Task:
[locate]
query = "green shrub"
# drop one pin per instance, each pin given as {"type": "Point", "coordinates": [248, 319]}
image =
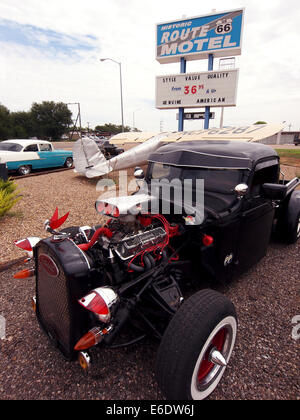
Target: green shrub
{"type": "Point", "coordinates": [8, 196]}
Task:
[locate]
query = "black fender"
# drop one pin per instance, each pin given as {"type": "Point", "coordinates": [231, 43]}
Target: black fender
{"type": "Point", "coordinates": [293, 209]}
{"type": "Point", "coordinates": [288, 218]}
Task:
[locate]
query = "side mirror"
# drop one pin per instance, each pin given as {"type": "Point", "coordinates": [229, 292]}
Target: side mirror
{"type": "Point", "coordinates": [241, 190]}
{"type": "Point", "coordinates": [274, 191]}
{"type": "Point", "coordinates": [139, 173]}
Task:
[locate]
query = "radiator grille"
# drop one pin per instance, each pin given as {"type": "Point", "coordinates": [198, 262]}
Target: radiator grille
{"type": "Point", "coordinates": [54, 303]}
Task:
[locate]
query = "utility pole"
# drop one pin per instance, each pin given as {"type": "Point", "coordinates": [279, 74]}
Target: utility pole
{"type": "Point", "coordinates": [78, 119]}
{"type": "Point", "coordinates": [121, 87]}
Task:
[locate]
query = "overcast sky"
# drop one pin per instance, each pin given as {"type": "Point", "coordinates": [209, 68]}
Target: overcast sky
{"type": "Point", "coordinates": [50, 50]}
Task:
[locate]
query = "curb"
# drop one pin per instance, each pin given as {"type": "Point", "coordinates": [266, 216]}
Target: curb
{"type": "Point", "coordinates": [32, 174]}
{"type": "Point", "coordinates": [8, 264]}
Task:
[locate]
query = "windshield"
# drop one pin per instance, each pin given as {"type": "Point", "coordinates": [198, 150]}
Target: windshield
{"type": "Point", "coordinates": [100, 142]}
{"type": "Point", "coordinates": [160, 171]}
{"type": "Point", "coordinates": [215, 180]}
{"type": "Point", "coordinates": [219, 184]}
{"type": "Point", "coordinates": [11, 147]}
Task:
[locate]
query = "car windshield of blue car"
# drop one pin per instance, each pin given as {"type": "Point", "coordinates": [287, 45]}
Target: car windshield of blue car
{"type": "Point", "coordinates": [11, 147]}
{"type": "Point", "coordinates": [45, 148]}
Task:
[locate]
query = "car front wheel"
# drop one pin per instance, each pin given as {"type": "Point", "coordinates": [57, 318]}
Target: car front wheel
{"type": "Point", "coordinates": [68, 163]}
{"type": "Point", "coordinates": [24, 170]}
{"type": "Point", "coordinates": [196, 347]}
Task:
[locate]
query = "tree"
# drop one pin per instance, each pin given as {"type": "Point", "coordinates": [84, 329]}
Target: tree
{"type": "Point", "coordinates": [5, 123]}
{"type": "Point", "coordinates": [22, 125]}
{"type": "Point", "coordinates": [260, 122]}
{"type": "Point", "coordinates": [112, 128]}
{"type": "Point", "coordinates": [50, 120]}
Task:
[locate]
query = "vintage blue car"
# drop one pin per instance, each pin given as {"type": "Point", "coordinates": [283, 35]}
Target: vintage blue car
{"type": "Point", "coordinates": [23, 156]}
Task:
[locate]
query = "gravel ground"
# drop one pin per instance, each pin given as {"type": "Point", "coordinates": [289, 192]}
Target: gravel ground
{"type": "Point", "coordinates": [264, 365]}
{"type": "Point", "coordinates": [42, 194]}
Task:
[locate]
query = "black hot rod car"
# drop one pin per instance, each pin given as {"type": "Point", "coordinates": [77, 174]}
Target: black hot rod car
{"type": "Point", "coordinates": [114, 284]}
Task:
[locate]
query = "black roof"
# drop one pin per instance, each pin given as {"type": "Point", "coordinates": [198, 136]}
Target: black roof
{"type": "Point", "coordinates": [216, 154]}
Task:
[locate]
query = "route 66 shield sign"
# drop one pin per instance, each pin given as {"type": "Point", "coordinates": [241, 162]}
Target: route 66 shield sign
{"type": "Point", "coordinates": [224, 26]}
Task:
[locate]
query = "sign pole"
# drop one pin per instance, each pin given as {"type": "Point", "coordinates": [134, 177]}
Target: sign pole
{"type": "Point", "coordinates": [181, 110]}
{"type": "Point", "coordinates": [207, 108]}
{"type": "Point", "coordinates": [222, 117]}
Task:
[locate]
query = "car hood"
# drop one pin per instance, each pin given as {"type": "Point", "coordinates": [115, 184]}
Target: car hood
{"type": "Point", "coordinates": [141, 202]}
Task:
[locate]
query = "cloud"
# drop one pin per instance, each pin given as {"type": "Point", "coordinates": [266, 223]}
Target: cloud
{"type": "Point", "coordinates": [48, 42]}
{"type": "Point", "coordinates": [51, 50]}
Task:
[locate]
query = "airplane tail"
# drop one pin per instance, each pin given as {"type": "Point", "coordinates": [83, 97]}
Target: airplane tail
{"type": "Point", "coordinates": [86, 155]}
{"type": "Point", "coordinates": [89, 160]}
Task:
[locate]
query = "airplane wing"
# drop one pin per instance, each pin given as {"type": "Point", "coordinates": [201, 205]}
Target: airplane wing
{"type": "Point", "coordinates": [249, 133]}
{"type": "Point", "coordinates": [90, 161]}
{"type": "Point", "coordinates": [131, 137]}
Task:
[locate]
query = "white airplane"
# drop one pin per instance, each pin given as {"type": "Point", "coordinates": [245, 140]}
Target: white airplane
{"type": "Point", "coordinates": [89, 160]}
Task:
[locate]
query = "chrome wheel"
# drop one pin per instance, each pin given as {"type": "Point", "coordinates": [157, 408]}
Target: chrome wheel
{"type": "Point", "coordinates": [24, 170]}
{"type": "Point", "coordinates": [196, 346]}
{"type": "Point", "coordinates": [69, 163]}
{"type": "Point", "coordinates": [213, 358]}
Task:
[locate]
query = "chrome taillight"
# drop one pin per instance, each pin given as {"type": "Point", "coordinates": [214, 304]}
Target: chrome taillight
{"type": "Point", "coordinates": [107, 209]}
{"type": "Point", "coordinates": [28, 244]}
{"type": "Point", "coordinates": [100, 301]}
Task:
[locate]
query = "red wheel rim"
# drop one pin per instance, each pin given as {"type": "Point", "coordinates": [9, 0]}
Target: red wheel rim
{"type": "Point", "coordinates": [206, 365]}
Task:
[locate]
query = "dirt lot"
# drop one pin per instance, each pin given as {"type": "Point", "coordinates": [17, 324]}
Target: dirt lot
{"type": "Point", "coordinates": [42, 194]}
{"type": "Point", "coordinates": [265, 363]}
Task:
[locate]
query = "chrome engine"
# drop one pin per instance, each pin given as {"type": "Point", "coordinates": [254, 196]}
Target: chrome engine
{"type": "Point", "coordinates": [131, 245]}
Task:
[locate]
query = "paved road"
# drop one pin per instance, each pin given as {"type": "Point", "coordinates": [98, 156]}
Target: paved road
{"type": "Point", "coordinates": [63, 145]}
